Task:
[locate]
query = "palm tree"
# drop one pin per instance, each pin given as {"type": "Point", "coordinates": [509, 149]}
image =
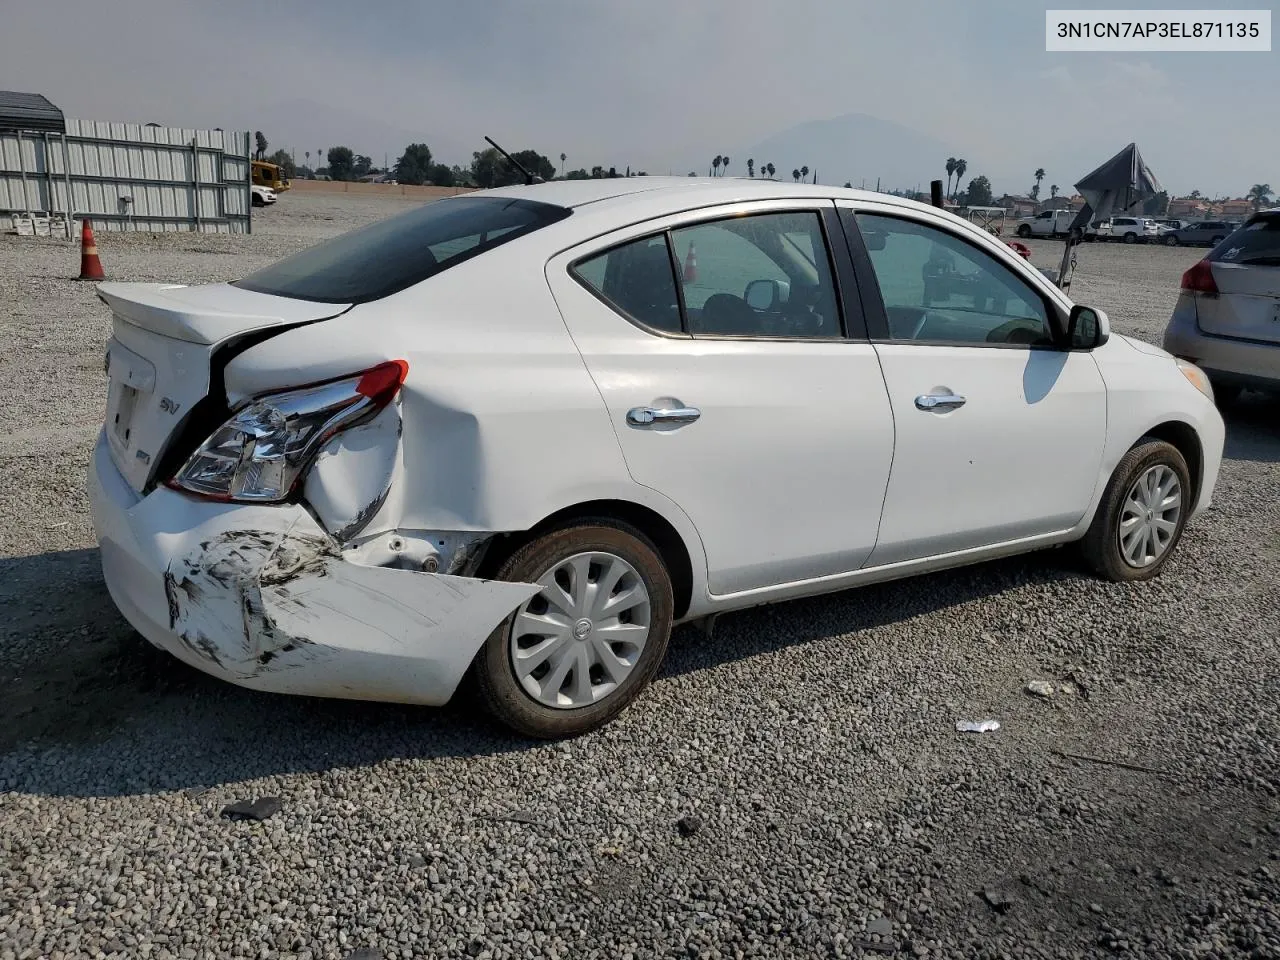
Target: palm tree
{"type": "Point", "coordinates": [562, 160]}
{"type": "Point", "coordinates": [951, 168]}
{"type": "Point", "coordinates": [751, 168]}
{"type": "Point", "coordinates": [795, 175]}
{"type": "Point", "coordinates": [804, 172]}
{"type": "Point", "coordinates": [1053, 190]}
{"type": "Point", "coordinates": [1260, 193]}
{"type": "Point", "coordinates": [715, 165]}
{"type": "Point", "coordinates": [724, 165]}
{"type": "Point", "coordinates": [1035, 193]}
{"type": "Point", "coordinates": [308, 159]}
{"type": "Point", "coordinates": [771, 169]}
{"type": "Point", "coordinates": [961, 166]}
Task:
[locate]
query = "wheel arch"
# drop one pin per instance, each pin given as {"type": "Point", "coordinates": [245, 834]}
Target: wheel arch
{"type": "Point", "coordinates": [1183, 438]}
{"type": "Point", "coordinates": [672, 549]}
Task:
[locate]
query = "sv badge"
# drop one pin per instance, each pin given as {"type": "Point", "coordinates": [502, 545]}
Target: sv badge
{"type": "Point", "coordinates": [169, 406]}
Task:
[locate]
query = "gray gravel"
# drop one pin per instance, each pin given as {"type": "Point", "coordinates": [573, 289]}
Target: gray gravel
{"type": "Point", "coordinates": [811, 746]}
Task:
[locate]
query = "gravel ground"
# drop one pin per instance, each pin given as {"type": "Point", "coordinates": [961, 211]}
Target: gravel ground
{"type": "Point", "coordinates": [792, 787]}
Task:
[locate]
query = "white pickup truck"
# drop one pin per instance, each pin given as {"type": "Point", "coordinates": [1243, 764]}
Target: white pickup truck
{"type": "Point", "coordinates": [1049, 223]}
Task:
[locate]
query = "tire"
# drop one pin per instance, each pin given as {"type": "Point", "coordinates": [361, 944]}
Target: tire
{"type": "Point", "coordinates": [1102, 545]}
{"type": "Point", "coordinates": [1024, 231]}
{"type": "Point", "coordinates": [1170, 240]}
{"type": "Point", "coordinates": [1130, 238]}
{"type": "Point", "coordinates": [503, 693]}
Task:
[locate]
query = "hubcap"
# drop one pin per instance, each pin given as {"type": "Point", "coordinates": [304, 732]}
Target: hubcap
{"type": "Point", "coordinates": [1149, 516]}
{"type": "Point", "coordinates": [576, 641]}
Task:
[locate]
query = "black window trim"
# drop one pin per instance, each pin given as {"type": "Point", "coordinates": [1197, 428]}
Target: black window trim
{"type": "Point", "coordinates": [878, 318]}
{"type": "Point", "coordinates": [843, 276]}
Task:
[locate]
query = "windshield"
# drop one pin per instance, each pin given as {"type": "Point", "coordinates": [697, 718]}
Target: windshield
{"type": "Point", "coordinates": [390, 255]}
{"type": "Point", "coordinates": [1257, 243]}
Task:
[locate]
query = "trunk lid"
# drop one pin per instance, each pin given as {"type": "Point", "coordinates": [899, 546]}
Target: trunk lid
{"type": "Point", "coordinates": [1246, 270]}
{"type": "Point", "coordinates": [164, 355]}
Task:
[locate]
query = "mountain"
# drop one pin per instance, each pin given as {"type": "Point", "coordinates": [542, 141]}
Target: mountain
{"type": "Point", "coordinates": [853, 148]}
{"type": "Point", "coordinates": [301, 125]}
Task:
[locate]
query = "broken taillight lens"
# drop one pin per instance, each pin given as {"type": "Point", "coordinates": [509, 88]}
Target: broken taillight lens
{"type": "Point", "coordinates": [259, 454]}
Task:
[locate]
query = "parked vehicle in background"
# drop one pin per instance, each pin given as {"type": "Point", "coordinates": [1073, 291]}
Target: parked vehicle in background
{"type": "Point", "coordinates": [1200, 233]}
{"type": "Point", "coordinates": [1166, 226]}
{"type": "Point", "coordinates": [266, 174]}
{"type": "Point", "coordinates": [1227, 318]}
{"type": "Point", "coordinates": [1126, 229]}
{"type": "Point", "coordinates": [262, 196]}
{"type": "Point", "coordinates": [506, 434]}
{"type": "Point", "coordinates": [1048, 223]}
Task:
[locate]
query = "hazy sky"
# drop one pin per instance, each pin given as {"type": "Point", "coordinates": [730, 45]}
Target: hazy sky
{"type": "Point", "coordinates": [658, 84]}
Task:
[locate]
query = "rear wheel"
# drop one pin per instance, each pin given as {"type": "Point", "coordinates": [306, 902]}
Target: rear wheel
{"type": "Point", "coordinates": [574, 655]}
{"type": "Point", "coordinates": [1170, 240]}
{"type": "Point", "coordinates": [1130, 238]}
{"type": "Point", "coordinates": [1143, 510]}
{"type": "Point", "coordinates": [1024, 231]}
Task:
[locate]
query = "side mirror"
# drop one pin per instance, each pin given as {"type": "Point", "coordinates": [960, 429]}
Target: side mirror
{"type": "Point", "coordinates": [766, 295]}
{"type": "Point", "coordinates": [1087, 328]}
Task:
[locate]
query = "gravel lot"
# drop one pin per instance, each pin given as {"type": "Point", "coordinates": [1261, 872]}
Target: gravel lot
{"type": "Point", "coordinates": [829, 808]}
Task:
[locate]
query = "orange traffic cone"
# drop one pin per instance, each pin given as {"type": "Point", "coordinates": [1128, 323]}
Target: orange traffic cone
{"type": "Point", "coordinates": [691, 266]}
{"type": "Point", "coordinates": [90, 265]}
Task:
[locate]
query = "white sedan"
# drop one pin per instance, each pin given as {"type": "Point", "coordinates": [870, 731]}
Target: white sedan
{"type": "Point", "coordinates": [522, 432]}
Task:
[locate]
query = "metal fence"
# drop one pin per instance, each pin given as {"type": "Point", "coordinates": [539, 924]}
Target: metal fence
{"type": "Point", "coordinates": [125, 176]}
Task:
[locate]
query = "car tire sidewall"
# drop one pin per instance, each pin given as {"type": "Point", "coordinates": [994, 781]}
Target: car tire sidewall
{"type": "Point", "coordinates": [1101, 544]}
{"type": "Point", "coordinates": [495, 679]}
{"type": "Point", "coordinates": [1130, 238]}
{"type": "Point", "coordinates": [1171, 241]}
{"type": "Point", "coordinates": [1024, 231]}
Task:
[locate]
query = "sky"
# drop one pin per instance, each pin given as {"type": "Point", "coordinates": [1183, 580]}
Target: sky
{"type": "Point", "coordinates": [661, 85]}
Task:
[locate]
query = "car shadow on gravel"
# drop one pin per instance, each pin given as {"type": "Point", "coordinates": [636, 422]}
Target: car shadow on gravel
{"type": "Point", "coordinates": [89, 708]}
{"type": "Point", "coordinates": [1253, 428]}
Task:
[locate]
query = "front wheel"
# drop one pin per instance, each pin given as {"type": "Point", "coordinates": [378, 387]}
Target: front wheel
{"type": "Point", "coordinates": [1171, 240]}
{"type": "Point", "coordinates": [1130, 238]}
{"type": "Point", "coordinates": [1143, 511]}
{"type": "Point", "coordinates": [573, 656]}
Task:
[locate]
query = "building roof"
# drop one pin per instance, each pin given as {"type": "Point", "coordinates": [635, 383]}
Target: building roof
{"type": "Point", "coordinates": [29, 111]}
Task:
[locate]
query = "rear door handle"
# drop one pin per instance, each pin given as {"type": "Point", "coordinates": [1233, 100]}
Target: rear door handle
{"type": "Point", "coordinates": [648, 416]}
{"type": "Point", "coordinates": [939, 401]}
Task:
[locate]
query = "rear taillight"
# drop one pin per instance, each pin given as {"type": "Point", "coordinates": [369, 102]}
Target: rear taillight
{"type": "Point", "coordinates": [1199, 280]}
{"type": "Point", "coordinates": [269, 443]}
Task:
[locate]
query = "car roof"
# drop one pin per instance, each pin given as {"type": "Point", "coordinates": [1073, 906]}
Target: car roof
{"type": "Point", "coordinates": [682, 191]}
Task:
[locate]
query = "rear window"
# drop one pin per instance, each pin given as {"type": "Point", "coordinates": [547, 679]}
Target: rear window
{"type": "Point", "coordinates": [390, 255]}
{"type": "Point", "coordinates": [1257, 243]}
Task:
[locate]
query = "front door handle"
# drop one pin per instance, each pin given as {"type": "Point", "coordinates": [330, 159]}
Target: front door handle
{"type": "Point", "coordinates": [939, 401]}
{"type": "Point", "coordinates": [648, 416]}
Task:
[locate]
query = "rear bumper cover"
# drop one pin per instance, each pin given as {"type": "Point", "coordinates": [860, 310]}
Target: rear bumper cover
{"type": "Point", "coordinates": [262, 597]}
{"type": "Point", "coordinates": [1243, 361]}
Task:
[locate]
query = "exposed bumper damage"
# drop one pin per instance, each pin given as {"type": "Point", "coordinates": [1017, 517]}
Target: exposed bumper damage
{"type": "Point", "coordinates": [264, 597]}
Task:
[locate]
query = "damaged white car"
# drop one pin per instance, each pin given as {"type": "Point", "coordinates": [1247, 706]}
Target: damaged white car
{"type": "Point", "coordinates": [523, 432]}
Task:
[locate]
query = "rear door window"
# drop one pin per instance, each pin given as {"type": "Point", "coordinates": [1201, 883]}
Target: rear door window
{"type": "Point", "coordinates": [638, 280]}
{"type": "Point", "coordinates": [390, 255]}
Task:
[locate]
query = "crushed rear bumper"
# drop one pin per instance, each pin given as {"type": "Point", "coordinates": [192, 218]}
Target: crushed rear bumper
{"type": "Point", "coordinates": [261, 596]}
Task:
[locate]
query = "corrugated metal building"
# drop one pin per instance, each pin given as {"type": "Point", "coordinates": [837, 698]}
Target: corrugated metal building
{"type": "Point", "coordinates": [122, 176]}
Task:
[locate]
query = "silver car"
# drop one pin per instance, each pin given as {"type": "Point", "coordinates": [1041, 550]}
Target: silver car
{"type": "Point", "coordinates": [1227, 319]}
{"type": "Point", "coordinates": [1200, 233]}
